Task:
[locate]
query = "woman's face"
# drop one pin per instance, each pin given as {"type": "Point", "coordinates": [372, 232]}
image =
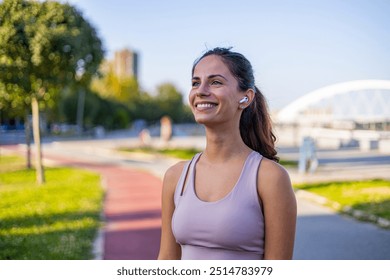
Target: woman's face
{"type": "Point", "coordinates": [214, 96]}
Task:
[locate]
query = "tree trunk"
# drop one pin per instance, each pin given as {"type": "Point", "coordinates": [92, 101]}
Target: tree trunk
{"type": "Point", "coordinates": [37, 139]}
{"type": "Point", "coordinates": [80, 111]}
{"type": "Point", "coordinates": [27, 125]}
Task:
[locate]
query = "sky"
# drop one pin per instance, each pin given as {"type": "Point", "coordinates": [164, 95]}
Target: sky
{"type": "Point", "coordinates": [295, 47]}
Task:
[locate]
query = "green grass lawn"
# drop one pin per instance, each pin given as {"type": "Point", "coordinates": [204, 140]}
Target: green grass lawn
{"type": "Point", "coordinates": [370, 196]}
{"type": "Point", "coordinates": [11, 163]}
{"type": "Point", "coordinates": [57, 220]}
{"type": "Point", "coordinates": [180, 153]}
{"type": "Point", "coordinates": [186, 153]}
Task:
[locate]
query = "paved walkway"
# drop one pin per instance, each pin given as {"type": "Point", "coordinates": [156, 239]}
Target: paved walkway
{"type": "Point", "coordinates": [132, 213]}
{"type": "Point", "coordinates": [323, 234]}
{"type": "Point", "coordinates": [132, 209]}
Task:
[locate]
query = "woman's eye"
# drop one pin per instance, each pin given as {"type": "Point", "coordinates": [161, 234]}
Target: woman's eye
{"type": "Point", "coordinates": [216, 83]}
{"type": "Point", "coordinates": [195, 83]}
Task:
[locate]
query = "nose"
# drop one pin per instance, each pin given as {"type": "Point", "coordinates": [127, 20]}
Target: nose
{"type": "Point", "coordinates": [202, 90]}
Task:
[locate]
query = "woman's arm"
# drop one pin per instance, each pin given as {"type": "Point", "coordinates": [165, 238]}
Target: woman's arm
{"type": "Point", "coordinates": [169, 249]}
{"type": "Point", "coordinates": [280, 210]}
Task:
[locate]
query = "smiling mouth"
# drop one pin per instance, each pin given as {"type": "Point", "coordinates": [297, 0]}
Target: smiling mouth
{"type": "Point", "coordinates": [205, 105]}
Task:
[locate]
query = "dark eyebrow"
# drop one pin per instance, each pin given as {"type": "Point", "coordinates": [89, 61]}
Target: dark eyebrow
{"type": "Point", "coordinates": [217, 75]}
{"type": "Point", "coordinates": [211, 77]}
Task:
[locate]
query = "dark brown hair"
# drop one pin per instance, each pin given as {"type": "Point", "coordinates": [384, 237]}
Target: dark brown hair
{"type": "Point", "coordinates": [255, 122]}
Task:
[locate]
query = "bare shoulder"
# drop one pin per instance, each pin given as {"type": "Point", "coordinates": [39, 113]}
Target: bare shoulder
{"type": "Point", "coordinates": [172, 176]}
{"type": "Point", "coordinates": [169, 249]}
{"type": "Point", "coordinates": [273, 177]}
{"type": "Point", "coordinates": [279, 208]}
{"type": "Point", "coordinates": [175, 171]}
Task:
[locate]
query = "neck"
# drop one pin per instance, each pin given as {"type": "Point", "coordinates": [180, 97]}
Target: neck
{"type": "Point", "coordinates": [223, 144]}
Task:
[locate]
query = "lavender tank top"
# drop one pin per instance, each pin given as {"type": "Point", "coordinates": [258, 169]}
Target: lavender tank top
{"type": "Point", "coordinates": [231, 228]}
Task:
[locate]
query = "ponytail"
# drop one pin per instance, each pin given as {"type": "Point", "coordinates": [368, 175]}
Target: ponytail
{"type": "Point", "coordinates": [256, 127]}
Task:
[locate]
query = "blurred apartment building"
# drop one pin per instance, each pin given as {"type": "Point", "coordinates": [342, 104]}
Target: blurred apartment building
{"type": "Point", "coordinates": [124, 63]}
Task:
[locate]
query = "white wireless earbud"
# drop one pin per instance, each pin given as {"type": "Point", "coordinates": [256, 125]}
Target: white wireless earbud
{"type": "Point", "coordinates": [243, 100]}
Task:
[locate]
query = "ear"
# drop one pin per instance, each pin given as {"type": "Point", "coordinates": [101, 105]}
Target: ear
{"type": "Point", "coordinates": [250, 93]}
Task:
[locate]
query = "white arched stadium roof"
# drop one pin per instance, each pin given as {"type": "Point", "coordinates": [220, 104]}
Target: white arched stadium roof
{"type": "Point", "coordinates": [290, 113]}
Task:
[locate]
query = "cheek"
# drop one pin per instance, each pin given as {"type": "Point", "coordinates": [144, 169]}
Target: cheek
{"type": "Point", "coordinates": [191, 97]}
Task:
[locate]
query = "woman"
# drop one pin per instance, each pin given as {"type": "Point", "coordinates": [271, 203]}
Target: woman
{"type": "Point", "coordinates": [233, 200]}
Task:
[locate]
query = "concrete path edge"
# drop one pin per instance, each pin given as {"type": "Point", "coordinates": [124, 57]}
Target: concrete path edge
{"type": "Point", "coordinates": [347, 210]}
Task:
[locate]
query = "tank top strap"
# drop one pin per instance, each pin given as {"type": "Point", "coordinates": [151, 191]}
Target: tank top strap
{"type": "Point", "coordinates": [248, 180]}
{"type": "Point", "coordinates": [185, 177]}
{"type": "Point", "coordinates": [254, 163]}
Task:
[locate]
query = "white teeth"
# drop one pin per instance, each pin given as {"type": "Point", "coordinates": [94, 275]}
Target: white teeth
{"type": "Point", "coordinates": [205, 105]}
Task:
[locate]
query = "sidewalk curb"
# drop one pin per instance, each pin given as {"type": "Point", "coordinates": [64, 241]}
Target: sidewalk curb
{"type": "Point", "coordinates": [357, 214]}
{"type": "Point", "coordinates": [98, 243]}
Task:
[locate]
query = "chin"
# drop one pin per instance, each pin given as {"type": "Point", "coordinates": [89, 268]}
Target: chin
{"type": "Point", "coordinates": [205, 121]}
{"type": "Point", "coordinates": [200, 120]}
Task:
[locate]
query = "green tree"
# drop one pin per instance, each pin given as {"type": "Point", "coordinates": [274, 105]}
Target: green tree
{"type": "Point", "coordinates": [170, 101]}
{"type": "Point", "coordinates": [121, 89]}
{"type": "Point", "coordinates": [147, 109]}
{"type": "Point", "coordinates": [98, 111]}
{"type": "Point", "coordinates": [44, 46]}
